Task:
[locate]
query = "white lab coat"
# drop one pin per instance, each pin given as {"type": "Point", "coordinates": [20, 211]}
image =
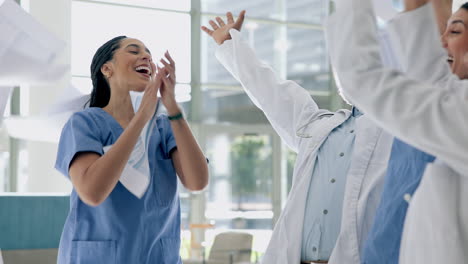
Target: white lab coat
{"type": "Point", "coordinates": [365, 184]}
{"type": "Point", "coordinates": [304, 127]}
{"type": "Point", "coordinates": [445, 191]}
{"type": "Point", "coordinates": [429, 114]}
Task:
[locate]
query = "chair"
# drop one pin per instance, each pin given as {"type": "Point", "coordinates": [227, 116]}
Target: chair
{"type": "Point", "coordinates": [230, 248]}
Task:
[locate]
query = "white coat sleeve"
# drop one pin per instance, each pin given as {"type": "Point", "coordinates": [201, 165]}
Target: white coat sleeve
{"type": "Point", "coordinates": [286, 104]}
{"type": "Point", "coordinates": [412, 49]}
{"type": "Point", "coordinates": [431, 118]}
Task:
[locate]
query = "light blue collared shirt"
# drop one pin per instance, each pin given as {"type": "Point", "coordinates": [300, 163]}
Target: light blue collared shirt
{"type": "Point", "coordinates": [322, 218]}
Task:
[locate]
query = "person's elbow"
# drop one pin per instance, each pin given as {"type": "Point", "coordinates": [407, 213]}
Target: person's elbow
{"type": "Point", "coordinates": [91, 198]}
{"type": "Point", "coordinates": [88, 191]}
{"type": "Point", "coordinates": [200, 180]}
{"type": "Point", "coordinates": [89, 186]}
{"type": "Point", "coordinates": [197, 186]}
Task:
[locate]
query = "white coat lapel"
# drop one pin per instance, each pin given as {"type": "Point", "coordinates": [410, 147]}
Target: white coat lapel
{"type": "Point", "coordinates": [285, 243]}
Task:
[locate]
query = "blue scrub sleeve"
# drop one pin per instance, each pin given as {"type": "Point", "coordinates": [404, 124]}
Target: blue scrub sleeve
{"type": "Point", "coordinates": [80, 134]}
{"type": "Point", "coordinates": [170, 140]}
{"type": "Point", "coordinates": [169, 136]}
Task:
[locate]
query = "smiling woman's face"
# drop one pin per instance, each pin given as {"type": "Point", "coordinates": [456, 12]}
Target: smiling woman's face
{"type": "Point", "coordinates": [131, 65]}
{"type": "Point", "coordinates": [455, 41]}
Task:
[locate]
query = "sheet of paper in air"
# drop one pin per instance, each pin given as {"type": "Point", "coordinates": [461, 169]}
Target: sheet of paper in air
{"type": "Point", "coordinates": [5, 92]}
{"type": "Point", "coordinates": [385, 9]}
{"type": "Point", "coordinates": [69, 100]}
{"type": "Point", "coordinates": [37, 128]}
{"type": "Point", "coordinates": [136, 174]}
{"type": "Point", "coordinates": [47, 126]}
{"type": "Point", "coordinates": [29, 52]}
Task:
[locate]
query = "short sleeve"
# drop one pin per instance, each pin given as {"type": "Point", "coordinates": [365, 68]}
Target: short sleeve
{"type": "Point", "coordinates": [170, 142]}
{"type": "Point", "coordinates": [80, 134]}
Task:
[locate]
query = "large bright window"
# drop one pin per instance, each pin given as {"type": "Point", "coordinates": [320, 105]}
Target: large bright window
{"type": "Point", "coordinates": [95, 23]}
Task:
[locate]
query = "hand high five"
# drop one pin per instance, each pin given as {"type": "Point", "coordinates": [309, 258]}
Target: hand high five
{"type": "Point", "coordinates": [220, 32]}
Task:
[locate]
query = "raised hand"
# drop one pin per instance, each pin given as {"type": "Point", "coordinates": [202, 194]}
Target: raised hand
{"type": "Point", "coordinates": [168, 78]}
{"type": "Point", "coordinates": [220, 32]}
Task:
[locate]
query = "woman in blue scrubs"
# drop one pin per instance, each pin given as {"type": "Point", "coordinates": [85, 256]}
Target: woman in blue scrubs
{"type": "Point", "coordinates": [107, 223]}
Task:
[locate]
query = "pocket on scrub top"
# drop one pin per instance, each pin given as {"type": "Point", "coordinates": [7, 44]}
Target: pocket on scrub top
{"type": "Point", "coordinates": [91, 252]}
{"type": "Point", "coordinates": [166, 182]}
{"type": "Point", "coordinates": [165, 251]}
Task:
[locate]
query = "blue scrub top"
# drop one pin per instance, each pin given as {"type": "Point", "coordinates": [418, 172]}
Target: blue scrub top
{"type": "Point", "coordinates": [123, 228]}
{"type": "Point", "coordinates": [405, 170]}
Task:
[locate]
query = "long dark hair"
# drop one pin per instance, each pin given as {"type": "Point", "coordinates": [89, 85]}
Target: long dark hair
{"type": "Point", "coordinates": [465, 6]}
{"type": "Point", "coordinates": [100, 95]}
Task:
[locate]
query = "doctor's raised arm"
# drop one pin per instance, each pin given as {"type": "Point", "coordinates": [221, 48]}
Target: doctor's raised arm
{"type": "Point", "coordinates": [414, 27]}
{"type": "Point", "coordinates": [326, 157]}
{"type": "Point", "coordinates": [287, 105]}
{"type": "Point", "coordinates": [421, 113]}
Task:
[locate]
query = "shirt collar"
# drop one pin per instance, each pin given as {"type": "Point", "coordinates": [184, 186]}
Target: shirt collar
{"type": "Point", "coordinates": [356, 112]}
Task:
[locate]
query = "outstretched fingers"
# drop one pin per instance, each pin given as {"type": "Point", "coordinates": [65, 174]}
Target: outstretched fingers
{"type": "Point", "coordinates": [230, 18]}
{"type": "Point", "coordinates": [220, 21]}
{"type": "Point", "coordinates": [240, 20]}
{"type": "Point", "coordinates": [207, 30]}
{"type": "Point", "coordinates": [213, 25]}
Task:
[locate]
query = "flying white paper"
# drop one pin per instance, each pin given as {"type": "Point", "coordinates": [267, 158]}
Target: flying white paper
{"type": "Point", "coordinates": [48, 125]}
{"type": "Point", "coordinates": [70, 100]}
{"type": "Point", "coordinates": [37, 128]}
{"type": "Point", "coordinates": [29, 51]}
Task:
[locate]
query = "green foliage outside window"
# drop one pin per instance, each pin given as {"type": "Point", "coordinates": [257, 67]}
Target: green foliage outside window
{"type": "Point", "coordinates": [251, 169]}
